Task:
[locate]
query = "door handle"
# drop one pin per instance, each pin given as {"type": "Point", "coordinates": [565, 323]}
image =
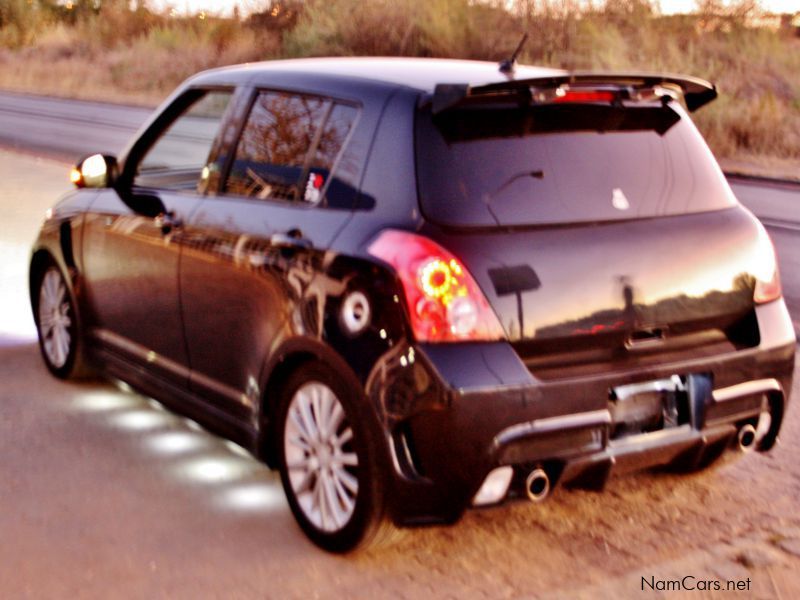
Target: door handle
{"type": "Point", "coordinates": [292, 239]}
{"type": "Point", "coordinates": [168, 221]}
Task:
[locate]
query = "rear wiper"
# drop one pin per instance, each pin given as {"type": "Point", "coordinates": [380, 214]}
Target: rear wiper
{"type": "Point", "coordinates": [488, 198]}
{"type": "Point", "coordinates": [522, 174]}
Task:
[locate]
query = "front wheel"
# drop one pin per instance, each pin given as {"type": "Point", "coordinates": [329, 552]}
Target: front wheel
{"type": "Point", "coordinates": [328, 461]}
{"type": "Point", "coordinates": [57, 325]}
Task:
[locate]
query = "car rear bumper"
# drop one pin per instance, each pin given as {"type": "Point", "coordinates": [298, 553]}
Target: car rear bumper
{"type": "Point", "coordinates": [481, 410]}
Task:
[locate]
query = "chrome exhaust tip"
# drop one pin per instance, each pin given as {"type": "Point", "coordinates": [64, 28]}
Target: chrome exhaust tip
{"type": "Point", "coordinates": [747, 438]}
{"type": "Point", "coordinates": [537, 485]}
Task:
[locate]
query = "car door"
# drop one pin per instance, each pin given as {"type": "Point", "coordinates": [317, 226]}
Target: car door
{"type": "Point", "coordinates": [256, 246]}
{"type": "Point", "coordinates": [133, 236]}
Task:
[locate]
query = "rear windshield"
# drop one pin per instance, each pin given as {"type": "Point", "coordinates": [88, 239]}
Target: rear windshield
{"type": "Point", "coordinates": [570, 163]}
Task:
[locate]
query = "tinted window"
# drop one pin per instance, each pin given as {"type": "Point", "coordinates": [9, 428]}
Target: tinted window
{"type": "Point", "coordinates": [289, 147]}
{"type": "Point", "coordinates": [179, 156]}
{"type": "Point", "coordinates": [337, 193]}
{"type": "Point", "coordinates": [565, 163]}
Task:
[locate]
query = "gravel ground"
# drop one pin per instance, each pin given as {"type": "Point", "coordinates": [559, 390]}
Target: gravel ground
{"type": "Point", "coordinates": [104, 494]}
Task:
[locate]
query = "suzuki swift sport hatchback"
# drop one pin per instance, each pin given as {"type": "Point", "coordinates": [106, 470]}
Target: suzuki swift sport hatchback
{"type": "Point", "coordinates": [416, 286]}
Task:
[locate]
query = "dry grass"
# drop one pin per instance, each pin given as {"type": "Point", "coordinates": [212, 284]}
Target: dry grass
{"type": "Point", "coordinates": [140, 57]}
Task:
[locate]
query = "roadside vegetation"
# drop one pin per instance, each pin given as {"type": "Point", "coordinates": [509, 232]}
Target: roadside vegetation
{"type": "Point", "coordinates": [123, 51]}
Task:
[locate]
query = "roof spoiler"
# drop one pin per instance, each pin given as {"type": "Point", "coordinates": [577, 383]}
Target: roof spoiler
{"type": "Point", "coordinates": [696, 92]}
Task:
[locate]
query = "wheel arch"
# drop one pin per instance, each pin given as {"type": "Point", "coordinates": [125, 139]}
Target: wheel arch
{"type": "Point", "coordinates": [277, 376]}
{"type": "Point", "coordinates": [290, 357]}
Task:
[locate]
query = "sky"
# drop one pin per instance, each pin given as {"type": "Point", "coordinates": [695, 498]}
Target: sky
{"type": "Point", "coordinates": [226, 6]}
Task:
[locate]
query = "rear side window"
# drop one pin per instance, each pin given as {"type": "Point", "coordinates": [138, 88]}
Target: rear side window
{"type": "Point", "coordinates": [502, 166]}
{"type": "Point", "coordinates": [288, 149]}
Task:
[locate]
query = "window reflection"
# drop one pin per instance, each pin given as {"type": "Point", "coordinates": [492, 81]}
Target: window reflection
{"type": "Point", "coordinates": [289, 147]}
{"type": "Point", "coordinates": [272, 150]}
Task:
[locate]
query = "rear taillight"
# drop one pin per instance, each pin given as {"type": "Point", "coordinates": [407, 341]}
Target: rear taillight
{"type": "Point", "coordinates": [769, 289]}
{"type": "Point", "coordinates": [444, 302]}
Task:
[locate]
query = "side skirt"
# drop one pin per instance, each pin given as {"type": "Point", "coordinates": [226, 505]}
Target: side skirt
{"type": "Point", "coordinates": [179, 400]}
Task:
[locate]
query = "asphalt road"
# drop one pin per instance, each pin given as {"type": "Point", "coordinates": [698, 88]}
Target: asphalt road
{"type": "Point", "coordinates": [66, 129]}
{"type": "Point", "coordinates": [105, 494]}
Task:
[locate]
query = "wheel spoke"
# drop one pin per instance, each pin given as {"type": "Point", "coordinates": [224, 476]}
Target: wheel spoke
{"type": "Point", "coordinates": [299, 441]}
{"type": "Point", "coordinates": [49, 289]}
{"type": "Point", "coordinates": [304, 486]}
{"type": "Point", "coordinates": [300, 464]}
{"type": "Point", "coordinates": [336, 418]}
{"type": "Point", "coordinates": [348, 480]}
{"type": "Point", "coordinates": [46, 322]}
{"type": "Point", "coordinates": [344, 498]}
{"type": "Point", "coordinates": [58, 346]}
{"type": "Point", "coordinates": [331, 497]}
{"type": "Point", "coordinates": [322, 502]}
{"type": "Point", "coordinates": [297, 420]}
{"type": "Point", "coordinates": [317, 412]}
{"type": "Point", "coordinates": [346, 459]}
{"type": "Point", "coordinates": [60, 293]}
{"type": "Point", "coordinates": [345, 437]}
{"type": "Point", "coordinates": [304, 407]}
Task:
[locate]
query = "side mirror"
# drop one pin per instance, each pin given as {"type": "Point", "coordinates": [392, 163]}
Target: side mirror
{"type": "Point", "coordinates": [95, 171]}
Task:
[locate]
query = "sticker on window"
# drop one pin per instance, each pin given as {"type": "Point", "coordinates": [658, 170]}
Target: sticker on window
{"type": "Point", "coordinates": [314, 188]}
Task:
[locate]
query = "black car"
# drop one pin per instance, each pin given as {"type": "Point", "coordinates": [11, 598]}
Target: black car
{"type": "Point", "coordinates": [416, 286]}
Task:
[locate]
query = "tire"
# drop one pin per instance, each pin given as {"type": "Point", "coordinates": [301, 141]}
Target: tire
{"type": "Point", "coordinates": [328, 460]}
{"type": "Point", "coordinates": [56, 318]}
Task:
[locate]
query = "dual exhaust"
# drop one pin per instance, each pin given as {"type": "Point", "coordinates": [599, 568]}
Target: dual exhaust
{"type": "Point", "coordinates": [747, 438]}
{"type": "Point", "coordinates": [750, 437]}
{"type": "Point", "coordinates": [537, 485]}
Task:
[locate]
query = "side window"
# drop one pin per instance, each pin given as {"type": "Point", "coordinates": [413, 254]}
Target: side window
{"type": "Point", "coordinates": [289, 147]}
{"type": "Point", "coordinates": [337, 193]}
{"type": "Point", "coordinates": [179, 157]}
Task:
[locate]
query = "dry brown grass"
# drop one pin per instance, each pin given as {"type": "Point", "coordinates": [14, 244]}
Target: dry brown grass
{"type": "Point", "coordinates": [140, 57]}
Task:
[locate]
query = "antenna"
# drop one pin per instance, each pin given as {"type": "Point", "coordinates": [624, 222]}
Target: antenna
{"type": "Point", "coordinates": [507, 66]}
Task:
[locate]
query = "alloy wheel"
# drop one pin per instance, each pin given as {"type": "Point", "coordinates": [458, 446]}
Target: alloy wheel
{"type": "Point", "coordinates": [321, 461]}
{"type": "Point", "coordinates": [55, 318]}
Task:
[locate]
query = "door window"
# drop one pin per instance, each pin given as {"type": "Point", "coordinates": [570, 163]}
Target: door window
{"type": "Point", "coordinates": [289, 147]}
{"type": "Point", "coordinates": [178, 159]}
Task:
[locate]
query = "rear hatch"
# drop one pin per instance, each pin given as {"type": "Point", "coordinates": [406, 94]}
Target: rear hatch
{"type": "Point", "coordinates": [601, 230]}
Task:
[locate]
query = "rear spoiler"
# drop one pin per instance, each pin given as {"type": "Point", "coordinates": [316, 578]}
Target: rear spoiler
{"type": "Point", "coordinates": [694, 91]}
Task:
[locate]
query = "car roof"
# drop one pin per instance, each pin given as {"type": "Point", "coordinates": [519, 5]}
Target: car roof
{"type": "Point", "coordinates": [419, 73]}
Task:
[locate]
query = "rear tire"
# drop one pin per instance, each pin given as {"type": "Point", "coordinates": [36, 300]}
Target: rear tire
{"type": "Point", "coordinates": [328, 459]}
{"type": "Point", "coordinates": [56, 317]}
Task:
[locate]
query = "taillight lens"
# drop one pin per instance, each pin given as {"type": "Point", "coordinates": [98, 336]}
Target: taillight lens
{"type": "Point", "coordinates": [767, 290]}
{"type": "Point", "coordinates": [444, 302]}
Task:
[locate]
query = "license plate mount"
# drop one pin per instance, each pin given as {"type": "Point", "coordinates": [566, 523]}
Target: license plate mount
{"type": "Point", "coordinates": [648, 406]}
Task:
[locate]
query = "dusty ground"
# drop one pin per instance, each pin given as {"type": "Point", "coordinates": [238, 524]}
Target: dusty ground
{"type": "Point", "coordinates": [104, 494]}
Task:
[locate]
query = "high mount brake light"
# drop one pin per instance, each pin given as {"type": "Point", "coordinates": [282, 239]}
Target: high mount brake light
{"type": "Point", "coordinates": [583, 96]}
{"type": "Point", "coordinates": [444, 302]}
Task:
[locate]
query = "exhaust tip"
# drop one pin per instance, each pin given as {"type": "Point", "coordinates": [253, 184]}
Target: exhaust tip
{"type": "Point", "coordinates": [747, 438]}
{"type": "Point", "coordinates": [537, 485]}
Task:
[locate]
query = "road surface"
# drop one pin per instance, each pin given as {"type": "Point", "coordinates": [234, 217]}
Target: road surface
{"type": "Point", "coordinates": [105, 494]}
